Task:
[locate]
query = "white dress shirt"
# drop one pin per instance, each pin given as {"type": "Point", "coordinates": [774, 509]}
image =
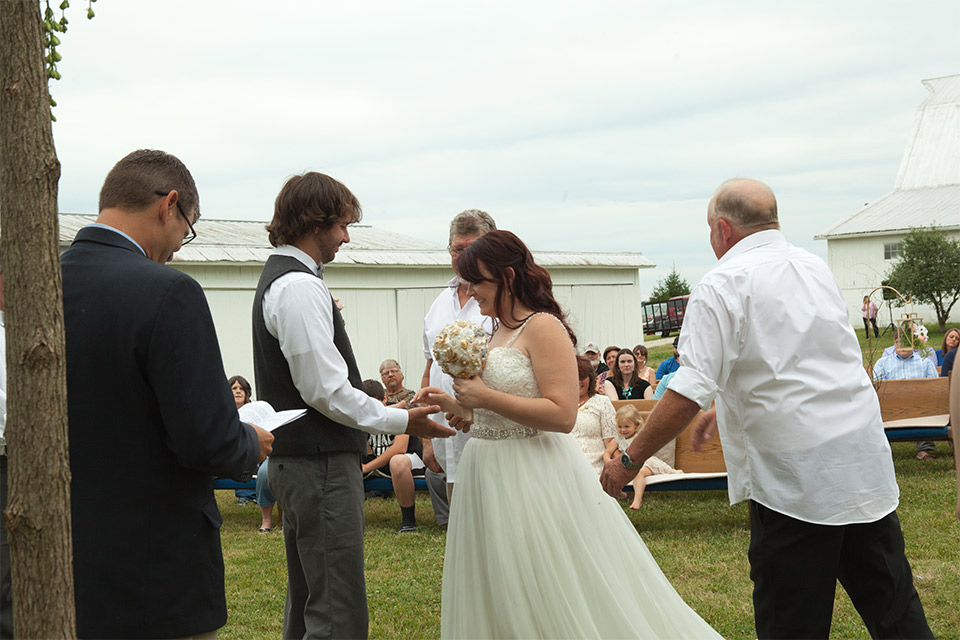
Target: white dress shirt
{"type": "Point", "coordinates": [444, 310]}
{"type": "Point", "coordinates": [298, 312]}
{"type": "Point", "coordinates": [766, 333]}
{"type": "Point", "coordinates": [893, 367]}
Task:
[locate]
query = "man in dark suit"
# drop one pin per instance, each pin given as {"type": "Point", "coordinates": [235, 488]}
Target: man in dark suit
{"type": "Point", "coordinates": [151, 417]}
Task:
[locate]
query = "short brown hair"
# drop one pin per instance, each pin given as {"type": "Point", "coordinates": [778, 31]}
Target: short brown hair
{"type": "Point", "coordinates": [307, 202]}
{"type": "Point", "coordinates": [139, 178]}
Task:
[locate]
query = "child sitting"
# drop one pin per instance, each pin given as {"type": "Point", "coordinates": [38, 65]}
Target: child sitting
{"type": "Point", "coordinates": [629, 423]}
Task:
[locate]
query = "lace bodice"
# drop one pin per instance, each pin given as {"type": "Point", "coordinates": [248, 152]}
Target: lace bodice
{"type": "Point", "coordinates": [508, 370]}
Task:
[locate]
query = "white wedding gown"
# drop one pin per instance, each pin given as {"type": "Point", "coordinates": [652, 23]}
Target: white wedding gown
{"type": "Point", "coordinates": [536, 549]}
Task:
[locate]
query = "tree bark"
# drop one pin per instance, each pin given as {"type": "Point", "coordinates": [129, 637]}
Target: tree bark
{"type": "Point", "coordinates": [38, 508]}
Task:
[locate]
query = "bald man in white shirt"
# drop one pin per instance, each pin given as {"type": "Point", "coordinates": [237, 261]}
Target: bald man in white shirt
{"type": "Point", "coordinates": [767, 336]}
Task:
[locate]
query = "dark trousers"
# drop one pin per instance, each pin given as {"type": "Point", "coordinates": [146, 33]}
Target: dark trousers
{"type": "Point", "coordinates": [322, 498]}
{"type": "Point", "coordinates": [866, 328]}
{"type": "Point", "coordinates": [6, 585]}
{"type": "Point", "coordinates": [795, 566]}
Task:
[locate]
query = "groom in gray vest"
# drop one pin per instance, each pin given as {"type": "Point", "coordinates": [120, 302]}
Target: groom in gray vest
{"type": "Point", "coordinates": [303, 360]}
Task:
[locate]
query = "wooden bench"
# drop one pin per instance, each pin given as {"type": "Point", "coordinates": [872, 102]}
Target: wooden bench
{"type": "Point", "coordinates": [915, 409]}
{"type": "Point", "coordinates": [702, 470]}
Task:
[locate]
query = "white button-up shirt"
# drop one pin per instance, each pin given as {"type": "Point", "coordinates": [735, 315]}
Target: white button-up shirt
{"type": "Point", "coordinates": [444, 310]}
{"type": "Point", "coordinates": [766, 333]}
{"type": "Point", "coordinates": [298, 312]}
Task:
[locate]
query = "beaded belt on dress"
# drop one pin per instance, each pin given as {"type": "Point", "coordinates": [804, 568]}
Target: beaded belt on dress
{"type": "Point", "coordinates": [489, 433]}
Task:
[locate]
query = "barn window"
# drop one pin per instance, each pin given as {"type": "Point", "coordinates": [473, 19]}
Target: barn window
{"type": "Point", "coordinates": [891, 250]}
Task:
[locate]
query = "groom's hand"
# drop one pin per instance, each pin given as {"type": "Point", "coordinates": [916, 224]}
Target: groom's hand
{"type": "Point", "coordinates": [420, 424]}
{"type": "Point", "coordinates": [614, 478]}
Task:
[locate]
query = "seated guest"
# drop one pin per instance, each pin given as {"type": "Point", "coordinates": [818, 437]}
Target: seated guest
{"type": "Point", "coordinates": [609, 357]}
{"type": "Point", "coordinates": [242, 394]}
{"type": "Point", "coordinates": [266, 499]}
{"type": "Point", "coordinates": [951, 340]}
{"type": "Point", "coordinates": [398, 457]}
{"type": "Point", "coordinates": [948, 361]}
{"type": "Point", "coordinates": [595, 427]}
{"type": "Point", "coordinates": [629, 424]}
{"type": "Point", "coordinates": [663, 384]}
{"type": "Point", "coordinates": [624, 383]}
{"type": "Point", "coordinates": [906, 364]}
{"type": "Point", "coordinates": [592, 353]}
{"type": "Point", "coordinates": [645, 372]}
{"type": "Point", "coordinates": [670, 364]}
{"type": "Point", "coordinates": [392, 377]}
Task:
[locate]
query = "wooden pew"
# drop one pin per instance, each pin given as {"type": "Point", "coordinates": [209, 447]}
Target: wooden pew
{"type": "Point", "coordinates": [915, 409]}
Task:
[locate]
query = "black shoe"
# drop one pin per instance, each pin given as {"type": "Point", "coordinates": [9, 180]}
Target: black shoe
{"type": "Point", "coordinates": [407, 528]}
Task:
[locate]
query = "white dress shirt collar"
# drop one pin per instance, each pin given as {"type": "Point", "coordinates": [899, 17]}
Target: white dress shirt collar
{"type": "Point", "coordinates": [301, 255]}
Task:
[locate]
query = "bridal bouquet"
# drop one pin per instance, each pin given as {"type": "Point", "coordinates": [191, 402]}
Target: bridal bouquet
{"type": "Point", "coordinates": [461, 351]}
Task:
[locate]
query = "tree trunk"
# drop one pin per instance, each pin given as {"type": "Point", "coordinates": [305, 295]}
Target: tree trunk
{"type": "Point", "coordinates": [38, 508]}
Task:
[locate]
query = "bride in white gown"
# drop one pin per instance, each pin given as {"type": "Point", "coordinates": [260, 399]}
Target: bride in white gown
{"type": "Point", "coordinates": [531, 532]}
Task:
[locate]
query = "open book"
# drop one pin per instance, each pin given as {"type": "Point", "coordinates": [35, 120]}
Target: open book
{"type": "Point", "coordinates": [262, 414]}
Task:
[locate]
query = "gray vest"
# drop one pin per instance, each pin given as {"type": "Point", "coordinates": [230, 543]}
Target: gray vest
{"type": "Point", "coordinates": [314, 432]}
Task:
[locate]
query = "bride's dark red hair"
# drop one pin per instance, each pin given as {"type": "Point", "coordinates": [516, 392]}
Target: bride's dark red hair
{"type": "Point", "coordinates": [501, 252]}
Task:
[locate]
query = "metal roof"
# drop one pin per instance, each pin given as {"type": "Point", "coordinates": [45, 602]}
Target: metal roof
{"type": "Point", "coordinates": [927, 188]}
{"type": "Point", "coordinates": [901, 210]}
{"type": "Point", "coordinates": [232, 241]}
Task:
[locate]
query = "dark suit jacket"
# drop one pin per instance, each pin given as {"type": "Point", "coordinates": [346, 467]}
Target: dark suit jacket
{"type": "Point", "coordinates": [151, 420]}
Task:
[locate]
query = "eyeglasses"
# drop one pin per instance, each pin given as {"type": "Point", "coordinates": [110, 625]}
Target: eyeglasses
{"type": "Point", "coordinates": [457, 249]}
{"type": "Point", "coordinates": [384, 374]}
{"type": "Point", "coordinates": [191, 233]}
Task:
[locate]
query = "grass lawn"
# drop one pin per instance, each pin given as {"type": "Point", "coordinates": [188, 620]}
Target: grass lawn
{"type": "Point", "coordinates": [698, 539]}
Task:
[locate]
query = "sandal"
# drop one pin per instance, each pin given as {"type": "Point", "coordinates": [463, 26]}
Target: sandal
{"type": "Point", "coordinates": [925, 455]}
{"type": "Point", "coordinates": [264, 529]}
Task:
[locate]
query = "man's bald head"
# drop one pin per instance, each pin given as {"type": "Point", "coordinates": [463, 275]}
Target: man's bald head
{"type": "Point", "coordinates": [749, 205]}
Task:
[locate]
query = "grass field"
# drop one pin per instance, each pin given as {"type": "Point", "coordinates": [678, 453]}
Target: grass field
{"type": "Point", "coordinates": [699, 540]}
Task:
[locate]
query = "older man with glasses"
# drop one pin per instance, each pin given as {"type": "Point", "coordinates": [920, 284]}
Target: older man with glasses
{"type": "Point", "coordinates": [392, 376]}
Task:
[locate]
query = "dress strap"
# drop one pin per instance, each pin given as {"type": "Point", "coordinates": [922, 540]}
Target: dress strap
{"type": "Point", "coordinates": [529, 318]}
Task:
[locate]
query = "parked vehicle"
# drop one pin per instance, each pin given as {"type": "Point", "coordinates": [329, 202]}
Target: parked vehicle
{"type": "Point", "coordinates": [664, 317]}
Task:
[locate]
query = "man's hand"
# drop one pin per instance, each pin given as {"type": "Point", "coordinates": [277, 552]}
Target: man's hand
{"type": "Point", "coordinates": [429, 458]}
{"type": "Point", "coordinates": [420, 424]}
{"type": "Point", "coordinates": [615, 477]}
{"type": "Point", "coordinates": [265, 438]}
{"type": "Point", "coordinates": [703, 428]}
{"type": "Point", "coordinates": [458, 422]}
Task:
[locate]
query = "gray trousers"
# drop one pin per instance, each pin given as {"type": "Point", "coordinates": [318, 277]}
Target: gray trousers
{"type": "Point", "coordinates": [322, 498]}
{"type": "Point", "coordinates": [437, 486]}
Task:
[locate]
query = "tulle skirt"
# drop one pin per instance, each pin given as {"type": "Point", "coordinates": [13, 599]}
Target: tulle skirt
{"type": "Point", "coordinates": [536, 549]}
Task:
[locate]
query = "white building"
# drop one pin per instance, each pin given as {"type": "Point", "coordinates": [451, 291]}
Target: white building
{"type": "Point", "coordinates": [386, 283]}
{"type": "Point", "coordinates": [861, 248]}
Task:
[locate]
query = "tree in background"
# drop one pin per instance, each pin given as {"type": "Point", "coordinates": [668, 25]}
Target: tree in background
{"type": "Point", "coordinates": [670, 287]}
{"type": "Point", "coordinates": [928, 270]}
{"type": "Point", "coordinates": [38, 507]}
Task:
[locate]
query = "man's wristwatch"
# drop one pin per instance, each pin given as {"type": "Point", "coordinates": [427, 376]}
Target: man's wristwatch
{"type": "Point", "coordinates": [629, 464]}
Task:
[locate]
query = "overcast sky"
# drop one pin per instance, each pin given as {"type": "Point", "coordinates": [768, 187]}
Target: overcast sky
{"type": "Point", "coordinates": [600, 126]}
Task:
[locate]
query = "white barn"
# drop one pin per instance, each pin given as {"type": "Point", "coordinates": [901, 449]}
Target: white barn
{"type": "Point", "coordinates": [387, 282]}
{"type": "Point", "coordinates": [862, 247]}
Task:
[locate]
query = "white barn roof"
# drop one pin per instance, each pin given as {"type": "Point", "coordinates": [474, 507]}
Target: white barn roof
{"type": "Point", "coordinates": [239, 241]}
{"type": "Point", "coordinates": [927, 188]}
